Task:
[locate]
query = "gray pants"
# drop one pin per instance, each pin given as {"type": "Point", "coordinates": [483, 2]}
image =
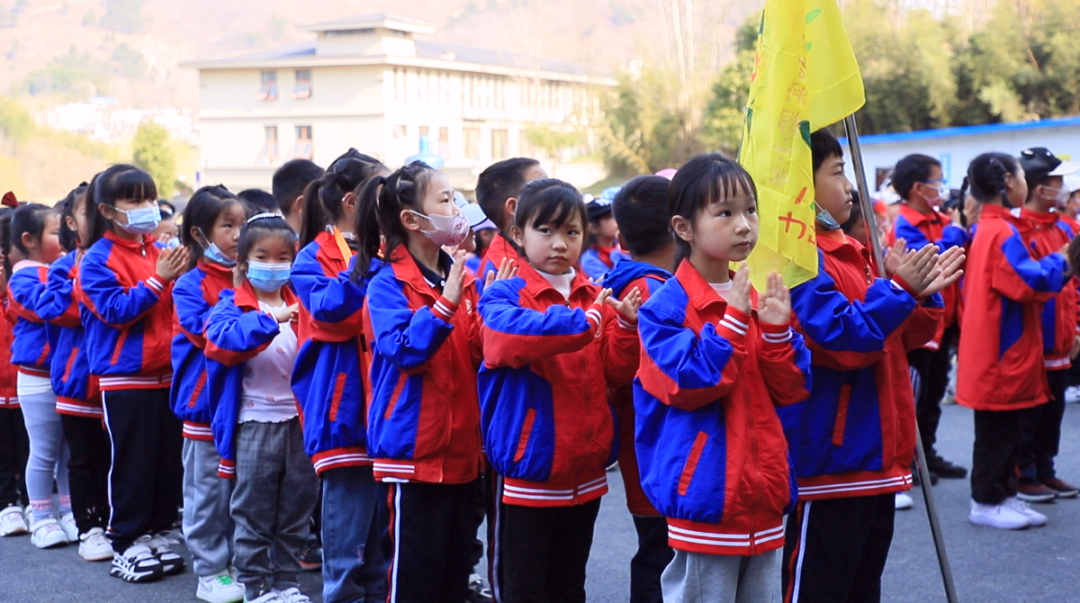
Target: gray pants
{"type": "Point", "coordinates": [48, 454]}
{"type": "Point", "coordinates": [208, 527]}
{"type": "Point", "coordinates": [701, 578]}
{"type": "Point", "coordinates": [272, 502]}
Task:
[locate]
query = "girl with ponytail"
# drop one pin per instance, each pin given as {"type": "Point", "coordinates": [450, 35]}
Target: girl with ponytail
{"type": "Point", "coordinates": [1001, 368]}
{"type": "Point", "coordinates": [329, 380]}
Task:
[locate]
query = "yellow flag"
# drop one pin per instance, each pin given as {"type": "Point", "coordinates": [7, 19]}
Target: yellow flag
{"type": "Point", "coordinates": [805, 78]}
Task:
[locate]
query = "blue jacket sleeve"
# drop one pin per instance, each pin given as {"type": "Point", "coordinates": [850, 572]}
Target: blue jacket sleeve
{"type": "Point", "coordinates": [406, 338]}
{"type": "Point", "coordinates": [26, 289]}
{"type": "Point", "coordinates": [954, 236]}
{"type": "Point", "coordinates": [108, 299]}
{"type": "Point", "coordinates": [234, 336]}
{"type": "Point", "coordinates": [515, 336]}
{"type": "Point", "coordinates": [192, 309]}
{"type": "Point", "coordinates": [843, 334]}
{"type": "Point", "coordinates": [329, 299]}
{"type": "Point", "coordinates": [57, 301]}
{"type": "Point", "coordinates": [1023, 279]}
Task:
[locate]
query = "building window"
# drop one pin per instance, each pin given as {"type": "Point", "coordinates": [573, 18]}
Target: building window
{"type": "Point", "coordinates": [472, 143]}
{"type": "Point", "coordinates": [304, 148]}
{"type": "Point", "coordinates": [401, 131]}
{"type": "Point", "coordinates": [269, 153]}
{"type": "Point", "coordinates": [303, 84]}
{"type": "Point", "coordinates": [268, 92]}
{"type": "Point", "coordinates": [444, 142]}
{"type": "Point", "coordinates": [500, 144]}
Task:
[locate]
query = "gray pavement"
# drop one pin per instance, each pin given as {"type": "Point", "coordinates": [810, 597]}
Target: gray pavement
{"type": "Point", "coordinates": [1035, 566]}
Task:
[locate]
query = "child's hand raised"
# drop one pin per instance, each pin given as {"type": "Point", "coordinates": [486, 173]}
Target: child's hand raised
{"type": "Point", "coordinates": [172, 263]}
{"type": "Point", "coordinates": [628, 307]}
{"type": "Point", "coordinates": [740, 291]}
{"type": "Point", "coordinates": [894, 257]}
{"type": "Point", "coordinates": [775, 308]}
{"type": "Point", "coordinates": [286, 313]}
{"type": "Point", "coordinates": [949, 264]}
{"type": "Point", "coordinates": [455, 281]}
{"type": "Point", "coordinates": [919, 268]}
{"type": "Point", "coordinates": [508, 269]}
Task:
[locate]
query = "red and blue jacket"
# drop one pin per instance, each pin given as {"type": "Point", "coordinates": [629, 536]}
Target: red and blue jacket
{"type": "Point", "coordinates": [713, 456]}
{"type": "Point", "coordinates": [501, 248]}
{"type": "Point", "coordinates": [1001, 338]}
{"type": "Point", "coordinates": [627, 276]}
{"type": "Point", "coordinates": [855, 434]}
{"type": "Point", "coordinates": [1047, 233]}
{"type": "Point", "coordinates": [194, 295]}
{"type": "Point", "coordinates": [236, 331]}
{"type": "Point", "coordinates": [423, 415]}
{"type": "Point", "coordinates": [331, 371]}
{"type": "Point", "coordinates": [9, 373]}
{"type": "Point", "coordinates": [35, 338]}
{"type": "Point", "coordinates": [548, 362]}
{"type": "Point", "coordinates": [127, 312]}
{"type": "Point", "coordinates": [596, 262]}
{"type": "Point", "coordinates": [76, 391]}
{"type": "Point", "coordinates": [918, 230]}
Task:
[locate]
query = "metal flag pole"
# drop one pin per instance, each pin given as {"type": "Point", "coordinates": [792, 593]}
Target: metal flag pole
{"type": "Point", "coordinates": [852, 130]}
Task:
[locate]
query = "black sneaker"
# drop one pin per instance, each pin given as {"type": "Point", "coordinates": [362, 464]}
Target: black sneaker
{"type": "Point", "coordinates": [477, 592]}
{"type": "Point", "coordinates": [311, 556]}
{"type": "Point", "coordinates": [915, 481]}
{"type": "Point", "coordinates": [137, 564]}
{"type": "Point", "coordinates": [1063, 489]}
{"type": "Point", "coordinates": [161, 546]}
{"type": "Point", "coordinates": [945, 469]}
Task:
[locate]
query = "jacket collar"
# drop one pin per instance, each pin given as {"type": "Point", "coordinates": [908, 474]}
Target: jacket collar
{"type": "Point", "coordinates": [146, 243]}
{"type": "Point", "coordinates": [700, 293]}
{"type": "Point", "coordinates": [247, 300]}
{"type": "Point", "coordinates": [214, 269]}
{"type": "Point", "coordinates": [917, 218]}
{"type": "Point", "coordinates": [536, 285]}
{"type": "Point", "coordinates": [407, 270]}
{"type": "Point", "coordinates": [1048, 218]}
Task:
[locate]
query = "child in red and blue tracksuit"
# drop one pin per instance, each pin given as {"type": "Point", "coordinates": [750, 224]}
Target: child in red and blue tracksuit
{"type": "Point", "coordinates": [330, 382]}
{"type": "Point", "coordinates": [853, 440]}
{"type": "Point", "coordinates": [422, 327]}
{"type": "Point", "coordinates": [250, 355]}
{"type": "Point", "coordinates": [211, 229]}
{"type": "Point", "coordinates": [641, 212]}
{"type": "Point", "coordinates": [1001, 370]}
{"type": "Point", "coordinates": [125, 295]}
{"type": "Point", "coordinates": [551, 349]}
{"type": "Point", "coordinates": [78, 401]}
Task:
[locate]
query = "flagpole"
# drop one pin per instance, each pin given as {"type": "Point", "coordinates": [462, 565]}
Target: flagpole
{"type": "Point", "coordinates": [852, 130]}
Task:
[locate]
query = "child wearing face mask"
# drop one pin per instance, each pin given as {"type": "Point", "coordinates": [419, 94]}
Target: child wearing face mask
{"type": "Point", "coordinates": [553, 345]}
{"type": "Point", "coordinates": [212, 221]}
{"type": "Point", "coordinates": [125, 290]}
{"type": "Point", "coordinates": [250, 353]}
{"type": "Point", "coordinates": [421, 325]}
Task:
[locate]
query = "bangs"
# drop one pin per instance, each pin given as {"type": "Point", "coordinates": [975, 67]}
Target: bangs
{"type": "Point", "coordinates": [549, 202]}
{"type": "Point", "coordinates": [133, 184]}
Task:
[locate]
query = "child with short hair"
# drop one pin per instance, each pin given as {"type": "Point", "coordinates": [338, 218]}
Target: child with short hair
{"type": "Point", "coordinates": [1001, 370]}
{"type": "Point", "coordinates": [497, 190]}
{"type": "Point", "coordinates": [853, 440]}
{"type": "Point", "coordinates": [644, 220]}
{"type": "Point", "coordinates": [713, 368]}
{"type": "Point", "coordinates": [212, 221]}
{"type": "Point", "coordinates": [421, 325]}
{"type": "Point", "coordinates": [553, 343]}
{"type": "Point", "coordinates": [35, 231]}
{"type": "Point", "coordinates": [78, 399]}
{"type": "Point", "coordinates": [125, 293]}
{"type": "Point", "coordinates": [250, 353]}
{"type": "Point", "coordinates": [330, 382]}
{"type": "Point", "coordinates": [602, 253]}
{"type": "Point", "coordinates": [287, 186]}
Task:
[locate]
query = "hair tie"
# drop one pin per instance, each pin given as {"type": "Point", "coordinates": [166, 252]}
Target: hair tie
{"type": "Point", "coordinates": [265, 216]}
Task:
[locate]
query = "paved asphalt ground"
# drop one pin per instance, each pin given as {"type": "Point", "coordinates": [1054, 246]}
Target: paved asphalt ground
{"type": "Point", "coordinates": [1035, 566]}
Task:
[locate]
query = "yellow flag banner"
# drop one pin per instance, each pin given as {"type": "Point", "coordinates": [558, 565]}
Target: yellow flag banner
{"type": "Point", "coordinates": [805, 78]}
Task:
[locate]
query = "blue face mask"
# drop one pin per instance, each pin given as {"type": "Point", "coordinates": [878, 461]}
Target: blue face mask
{"type": "Point", "coordinates": [213, 254]}
{"type": "Point", "coordinates": [268, 277]}
{"type": "Point", "coordinates": [172, 243]}
{"type": "Point", "coordinates": [141, 221]}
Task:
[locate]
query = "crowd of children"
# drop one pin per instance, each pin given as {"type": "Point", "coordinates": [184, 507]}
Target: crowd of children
{"type": "Point", "coordinates": [365, 338]}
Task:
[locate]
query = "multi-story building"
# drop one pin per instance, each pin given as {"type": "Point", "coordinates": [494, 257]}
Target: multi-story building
{"type": "Point", "coordinates": [370, 83]}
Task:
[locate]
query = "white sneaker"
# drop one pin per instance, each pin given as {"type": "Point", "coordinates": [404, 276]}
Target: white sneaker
{"type": "Point", "coordinates": [267, 597]}
{"type": "Point", "coordinates": [219, 589]}
{"type": "Point", "coordinates": [93, 546]}
{"type": "Point", "coordinates": [47, 533]}
{"type": "Point", "coordinates": [1000, 516]}
{"type": "Point", "coordinates": [67, 523]}
{"type": "Point", "coordinates": [293, 595]}
{"type": "Point", "coordinates": [1035, 519]}
{"type": "Point", "coordinates": [161, 545]}
{"type": "Point", "coordinates": [1072, 394]}
{"type": "Point", "coordinates": [12, 521]}
{"type": "Point", "coordinates": [904, 501]}
{"type": "Point", "coordinates": [136, 564]}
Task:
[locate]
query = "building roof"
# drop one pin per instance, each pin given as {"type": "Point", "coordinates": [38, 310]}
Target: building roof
{"type": "Point", "coordinates": [383, 21]}
{"type": "Point", "coordinates": [967, 131]}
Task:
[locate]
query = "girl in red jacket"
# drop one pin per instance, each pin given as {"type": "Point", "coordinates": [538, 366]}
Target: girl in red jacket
{"type": "Point", "coordinates": [1001, 368]}
{"type": "Point", "coordinates": [553, 344]}
{"type": "Point", "coordinates": [125, 288]}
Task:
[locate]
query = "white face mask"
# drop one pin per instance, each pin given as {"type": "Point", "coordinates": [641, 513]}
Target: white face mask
{"type": "Point", "coordinates": [448, 231]}
{"type": "Point", "coordinates": [1061, 195]}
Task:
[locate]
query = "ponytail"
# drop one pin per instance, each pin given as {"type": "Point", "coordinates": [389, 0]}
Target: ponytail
{"type": "Point", "coordinates": [378, 213]}
{"type": "Point", "coordinates": [323, 198]}
{"type": "Point", "coordinates": [69, 239]}
{"type": "Point", "coordinates": [963, 202]}
{"type": "Point", "coordinates": [988, 177]}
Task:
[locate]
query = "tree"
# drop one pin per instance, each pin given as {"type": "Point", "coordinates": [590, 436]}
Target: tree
{"type": "Point", "coordinates": [153, 152]}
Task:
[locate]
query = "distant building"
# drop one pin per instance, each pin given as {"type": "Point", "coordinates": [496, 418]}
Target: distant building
{"type": "Point", "coordinates": [956, 147]}
{"type": "Point", "coordinates": [101, 118]}
{"type": "Point", "coordinates": [369, 83]}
